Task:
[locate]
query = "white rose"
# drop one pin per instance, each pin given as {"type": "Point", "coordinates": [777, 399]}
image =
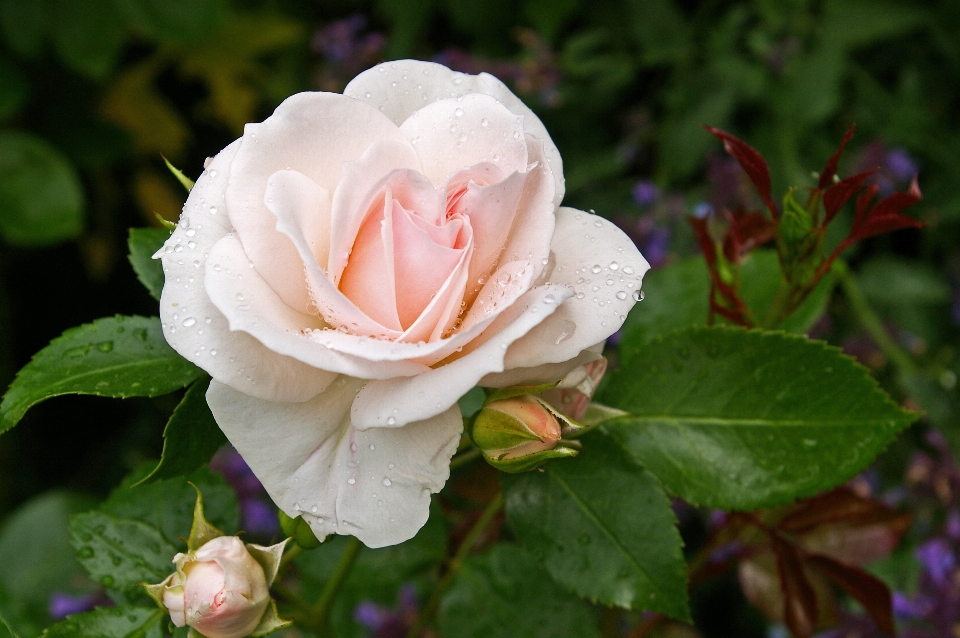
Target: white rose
{"type": "Point", "coordinates": [355, 263]}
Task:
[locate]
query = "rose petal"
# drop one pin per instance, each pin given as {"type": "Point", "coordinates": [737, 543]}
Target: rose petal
{"type": "Point", "coordinates": [306, 204]}
{"type": "Point", "coordinates": [194, 327]}
{"type": "Point", "coordinates": [358, 182]}
{"type": "Point", "coordinates": [451, 134]}
{"type": "Point", "coordinates": [497, 298]}
{"type": "Point", "coordinates": [311, 133]}
{"type": "Point", "coordinates": [546, 373]}
{"type": "Point", "coordinates": [402, 87]}
{"type": "Point", "coordinates": [374, 485]}
{"type": "Point", "coordinates": [395, 402]}
{"type": "Point", "coordinates": [605, 269]}
{"type": "Point", "coordinates": [251, 305]}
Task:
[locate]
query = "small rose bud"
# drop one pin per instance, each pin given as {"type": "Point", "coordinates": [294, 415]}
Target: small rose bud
{"type": "Point", "coordinates": [221, 587]}
{"type": "Point", "coordinates": [219, 590]}
{"type": "Point", "coordinates": [518, 433]}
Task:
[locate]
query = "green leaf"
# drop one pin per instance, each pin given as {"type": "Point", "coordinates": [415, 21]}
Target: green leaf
{"type": "Point", "coordinates": [741, 419]}
{"type": "Point", "coordinates": [175, 21]}
{"type": "Point", "coordinates": [675, 296]}
{"type": "Point", "coordinates": [41, 199]}
{"type": "Point", "coordinates": [191, 437]}
{"type": "Point", "coordinates": [168, 504]}
{"type": "Point", "coordinates": [603, 528]}
{"type": "Point", "coordinates": [88, 35]}
{"type": "Point", "coordinates": [24, 25]}
{"type": "Point", "coordinates": [14, 88]}
{"type": "Point", "coordinates": [35, 552]}
{"type": "Point", "coordinates": [143, 243]}
{"type": "Point", "coordinates": [119, 553]}
{"type": "Point", "coordinates": [126, 621]}
{"type": "Point", "coordinates": [112, 357]}
{"type": "Point", "coordinates": [504, 593]}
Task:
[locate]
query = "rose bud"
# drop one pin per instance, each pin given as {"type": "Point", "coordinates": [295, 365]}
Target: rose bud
{"type": "Point", "coordinates": [221, 587]}
{"type": "Point", "coordinates": [518, 433]}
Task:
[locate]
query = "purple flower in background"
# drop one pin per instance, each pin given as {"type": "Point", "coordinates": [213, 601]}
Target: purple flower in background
{"type": "Point", "coordinates": [645, 193]}
{"type": "Point", "coordinates": [62, 605]}
{"type": "Point", "coordinates": [901, 166]}
{"type": "Point", "coordinates": [346, 51]}
{"type": "Point", "coordinates": [937, 558]}
{"type": "Point", "coordinates": [386, 622]}
{"type": "Point", "coordinates": [259, 516]}
{"type": "Point", "coordinates": [896, 166]}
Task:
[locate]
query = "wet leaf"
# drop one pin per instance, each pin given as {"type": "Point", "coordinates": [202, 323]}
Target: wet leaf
{"type": "Point", "coordinates": [112, 357]}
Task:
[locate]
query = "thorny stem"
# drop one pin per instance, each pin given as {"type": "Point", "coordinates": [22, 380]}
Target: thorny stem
{"type": "Point", "coordinates": [465, 547]}
{"type": "Point", "coordinates": [340, 573]}
{"type": "Point", "coordinates": [870, 320]}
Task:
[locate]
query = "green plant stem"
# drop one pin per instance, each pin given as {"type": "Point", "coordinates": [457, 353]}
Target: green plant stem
{"type": "Point", "coordinates": [294, 551]}
{"type": "Point", "coordinates": [465, 547]}
{"type": "Point", "coordinates": [289, 596]}
{"type": "Point", "coordinates": [340, 573]}
{"type": "Point", "coordinates": [464, 458]}
{"type": "Point", "coordinates": [870, 320]}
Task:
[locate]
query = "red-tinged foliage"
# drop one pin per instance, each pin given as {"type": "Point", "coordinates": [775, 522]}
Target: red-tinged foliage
{"type": "Point", "coordinates": [702, 234]}
{"type": "Point", "coordinates": [747, 231]}
{"type": "Point", "coordinates": [884, 217]}
{"type": "Point", "coordinates": [837, 195]}
{"type": "Point", "coordinates": [868, 590]}
{"type": "Point", "coordinates": [830, 169]}
{"type": "Point", "coordinates": [799, 598]}
{"type": "Point", "coordinates": [752, 163]}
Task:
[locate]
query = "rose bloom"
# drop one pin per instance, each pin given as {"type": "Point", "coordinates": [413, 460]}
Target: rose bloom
{"type": "Point", "coordinates": [355, 263]}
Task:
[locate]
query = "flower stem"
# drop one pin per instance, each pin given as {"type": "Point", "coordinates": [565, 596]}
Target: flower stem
{"type": "Point", "coordinates": [464, 458]}
{"type": "Point", "coordinates": [869, 319]}
{"type": "Point", "coordinates": [294, 551]}
{"type": "Point", "coordinates": [340, 573]}
{"type": "Point", "coordinates": [465, 547]}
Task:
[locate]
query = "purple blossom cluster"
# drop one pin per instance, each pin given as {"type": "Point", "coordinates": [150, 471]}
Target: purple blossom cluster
{"type": "Point", "coordinates": [389, 622]}
{"type": "Point", "coordinates": [896, 168]}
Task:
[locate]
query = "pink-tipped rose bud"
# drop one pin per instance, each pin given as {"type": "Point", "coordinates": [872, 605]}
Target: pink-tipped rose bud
{"type": "Point", "coordinates": [220, 590]}
{"type": "Point", "coordinates": [518, 433]}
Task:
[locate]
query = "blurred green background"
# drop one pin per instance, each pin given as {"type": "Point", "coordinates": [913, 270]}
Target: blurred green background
{"type": "Point", "coordinates": [94, 93]}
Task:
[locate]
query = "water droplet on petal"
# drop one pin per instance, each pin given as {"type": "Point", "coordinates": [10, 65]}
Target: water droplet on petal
{"type": "Point", "coordinates": [189, 321]}
{"type": "Point", "coordinates": [596, 268]}
{"type": "Point", "coordinates": [391, 420]}
{"type": "Point", "coordinates": [387, 482]}
{"type": "Point", "coordinates": [549, 299]}
{"type": "Point", "coordinates": [638, 295]}
{"type": "Point", "coordinates": [627, 270]}
{"type": "Point", "coordinates": [351, 480]}
{"type": "Point", "coordinates": [213, 210]}
{"type": "Point", "coordinates": [614, 265]}
{"type": "Point", "coordinates": [484, 122]}
{"type": "Point", "coordinates": [621, 295]}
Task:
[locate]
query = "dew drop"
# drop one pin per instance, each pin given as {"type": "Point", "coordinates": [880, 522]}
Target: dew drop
{"type": "Point", "coordinates": [351, 480]}
{"type": "Point", "coordinates": [387, 482]}
{"type": "Point", "coordinates": [391, 466]}
{"type": "Point", "coordinates": [314, 509]}
{"type": "Point", "coordinates": [353, 447]}
{"type": "Point", "coordinates": [458, 112]}
{"type": "Point", "coordinates": [213, 210]}
{"type": "Point", "coordinates": [549, 299]}
{"type": "Point", "coordinates": [372, 447]}
{"type": "Point", "coordinates": [367, 95]}
{"type": "Point", "coordinates": [239, 296]}
{"type": "Point", "coordinates": [391, 420]}
{"type": "Point", "coordinates": [213, 353]}
{"type": "Point", "coordinates": [596, 268]}
{"type": "Point", "coordinates": [627, 270]}
{"type": "Point", "coordinates": [621, 295]}
{"type": "Point", "coordinates": [614, 265]}
{"type": "Point", "coordinates": [189, 321]}
{"type": "Point", "coordinates": [484, 122]}
{"type": "Point", "coordinates": [638, 295]}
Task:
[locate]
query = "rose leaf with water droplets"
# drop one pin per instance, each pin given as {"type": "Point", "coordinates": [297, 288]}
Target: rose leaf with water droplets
{"type": "Point", "coordinates": [112, 357]}
{"type": "Point", "coordinates": [740, 419]}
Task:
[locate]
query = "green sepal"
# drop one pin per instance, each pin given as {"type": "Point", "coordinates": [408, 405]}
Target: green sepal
{"type": "Point", "coordinates": [517, 390]}
{"type": "Point", "coordinates": [166, 223]}
{"type": "Point", "coordinates": [564, 450]}
{"type": "Point", "coordinates": [183, 179]}
{"type": "Point", "coordinates": [202, 531]}
{"type": "Point", "coordinates": [299, 531]}
{"type": "Point", "coordinates": [156, 591]}
{"type": "Point", "coordinates": [492, 429]}
{"type": "Point", "coordinates": [270, 621]}
{"type": "Point", "coordinates": [268, 557]}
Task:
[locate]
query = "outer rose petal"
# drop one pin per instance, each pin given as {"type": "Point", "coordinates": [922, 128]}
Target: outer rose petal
{"type": "Point", "coordinates": [374, 485]}
{"type": "Point", "coordinates": [582, 244]}
{"type": "Point", "coordinates": [313, 134]}
{"type": "Point", "coordinates": [195, 328]}
{"type": "Point", "coordinates": [420, 83]}
{"type": "Point", "coordinates": [397, 402]}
